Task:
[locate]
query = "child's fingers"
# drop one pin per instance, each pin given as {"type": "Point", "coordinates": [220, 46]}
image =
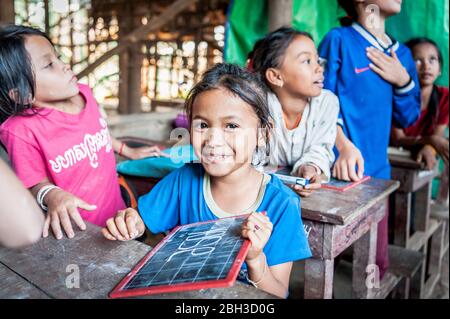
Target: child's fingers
{"type": "Point", "coordinates": [56, 226]}
{"type": "Point", "coordinates": [76, 217]}
{"type": "Point", "coordinates": [111, 226]}
{"type": "Point", "coordinates": [66, 224]}
{"type": "Point", "coordinates": [313, 186]}
{"type": "Point", "coordinates": [419, 158]}
{"type": "Point", "coordinates": [344, 174]}
{"type": "Point", "coordinates": [130, 221]}
{"type": "Point", "coordinates": [360, 163]}
{"type": "Point", "coordinates": [120, 224]}
{"type": "Point", "coordinates": [107, 234]}
{"type": "Point", "coordinates": [46, 226]}
{"type": "Point", "coordinates": [377, 70]}
{"type": "Point", "coordinates": [83, 205]}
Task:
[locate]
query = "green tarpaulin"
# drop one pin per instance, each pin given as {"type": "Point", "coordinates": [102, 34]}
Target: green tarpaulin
{"type": "Point", "coordinates": [247, 22]}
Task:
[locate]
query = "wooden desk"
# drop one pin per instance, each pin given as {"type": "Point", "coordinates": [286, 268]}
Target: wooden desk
{"type": "Point", "coordinates": [42, 270]}
{"type": "Point", "coordinates": [336, 220]}
{"type": "Point", "coordinates": [414, 194]}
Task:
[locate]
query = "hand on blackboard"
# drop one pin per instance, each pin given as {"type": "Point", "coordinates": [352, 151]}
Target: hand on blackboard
{"type": "Point", "coordinates": [126, 225]}
{"type": "Point", "coordinates": [309, 172]}
{"type": "Point", "coordinates": [345, 166]}
{"type": "Point", "coordinates": [62, 208]}
{"type": "Point", "coordinates": [257, 228]}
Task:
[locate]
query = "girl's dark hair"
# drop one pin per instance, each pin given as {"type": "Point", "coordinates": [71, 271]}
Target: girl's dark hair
{"type": "Point", "coordinates": [16, 70]}
{"type": "Point", "coordinates": [269, 52]}
{"type": "Point", "coordinates": [240, 82]}
{"type": "Point", "coordinates": [350, 9]}
{"type": "Point", "coordinates": [433, 105]}
{"type": "Point", "coordinates": [411, 44]}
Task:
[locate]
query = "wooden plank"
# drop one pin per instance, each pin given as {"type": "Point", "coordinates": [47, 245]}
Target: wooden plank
{"type": "Point", "coordinates": [340, 208]}
{"type": "Point", "coordinates": [404, 262]}
{"type": "Point", "coordinates": [422, 207]}
{"type": "Point", "coordinates": [412, 179]}
{"type": "Point", "coordinates": [419, 238]}
{"type": "Point", "coordinates": [344, 236]}
{"type": "Point", "coordinates": [280, 13]}
{"type": "Point", "coordinates": [316, 237]}
{"type": "Point", "coordinates": [319, 278]}
{"type": "Point", "coordinates": [14, 286]}
{"type": "Point", "coordinates": [364, 253]}
{"type": "Point", "coordinates": [6, 11]}
{"type": "Point", "coordinates": [436, 248]}
{"type": "Point", "coordinates": [402, 218]}
{"type": "Point", "coordinates": [387, 285]}
{"type": "Point", "coordinates": [52, 264]}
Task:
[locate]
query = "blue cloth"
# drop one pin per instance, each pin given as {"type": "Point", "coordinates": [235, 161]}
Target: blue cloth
{"type": "Point", "coordinates": [178, 199]}
{"type": "Point", "coordinates": [158, 167]}
{"type": "Point", "coordinates": [368, 104]}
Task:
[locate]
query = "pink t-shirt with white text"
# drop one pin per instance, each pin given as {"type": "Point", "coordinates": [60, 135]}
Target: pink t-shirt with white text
{"type": "Point", "coordinates": [73, 151]}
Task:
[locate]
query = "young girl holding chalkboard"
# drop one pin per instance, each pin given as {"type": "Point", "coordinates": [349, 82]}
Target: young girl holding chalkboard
{"type": "Point", "coordinates": [58, 143]}
{"type": "Point", "coordinates": [230, 124]}
{"type": "Point", "coordinates": [305, 115]}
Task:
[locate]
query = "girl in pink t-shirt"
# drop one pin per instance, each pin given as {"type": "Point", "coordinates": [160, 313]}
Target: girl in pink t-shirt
{"type": "Point", "coordinates": [56, 139]}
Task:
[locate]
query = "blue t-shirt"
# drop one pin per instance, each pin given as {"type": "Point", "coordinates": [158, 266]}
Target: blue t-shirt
{"type": "Point", "coordinates": [184, 197]}
{"type": "Point", "coordinates": [368, 103]}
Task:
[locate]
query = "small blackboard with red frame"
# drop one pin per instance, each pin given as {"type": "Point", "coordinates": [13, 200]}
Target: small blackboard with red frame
{"type": "Point", "coordinates": [195, 256]}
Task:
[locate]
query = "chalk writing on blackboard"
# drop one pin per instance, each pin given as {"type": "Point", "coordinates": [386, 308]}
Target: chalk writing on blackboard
{"type": "Point", "coordinates": [194, 256]}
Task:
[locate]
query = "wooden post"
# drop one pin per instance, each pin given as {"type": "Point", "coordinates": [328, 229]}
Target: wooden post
{"type": "Point", "coordinates": [364, 253]}
{"type": "Point", "coordinates": [134, 78]}
{"type": "Point", "coordinates": [280, 13]}
{"type": "Point", "coordinates": [6, 11]}
{"type": "Point", "coordinates": [319, 278]}
{"type": "Point", "coordinates": [47, 18]}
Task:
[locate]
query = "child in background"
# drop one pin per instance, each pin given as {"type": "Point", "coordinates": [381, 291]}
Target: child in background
{"type": "Point", "coordinates": [57, 142]}
{"type": "Point", "coordinates": [229, 121]}
{"type": "Point", "coordinates": [375, 79]}
{"type": "Point", "coordinates": [305, 115]}
{"type": "Point", "coordinates": [428, 132]}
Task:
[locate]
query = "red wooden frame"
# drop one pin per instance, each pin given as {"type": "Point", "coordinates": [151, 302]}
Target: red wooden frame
{"type": "Point", "coordinates": [117, 292]}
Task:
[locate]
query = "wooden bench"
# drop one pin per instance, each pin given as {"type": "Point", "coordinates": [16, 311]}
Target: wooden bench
{"type": "Point", "coordinates": [44, 269]}
{"type": "Point", "coordinates": [414, 195]}
{"type": "Point", "coordinates": [405, 265]}
{"type": "Point", "coordinates": [337, 220]}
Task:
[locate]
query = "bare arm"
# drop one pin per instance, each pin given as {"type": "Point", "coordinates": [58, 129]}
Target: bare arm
{"type": "Point", "coordinates": [137, 152]}
{"type": "Point", "coordinates": [437, 141]}
{"type": "Point", "coordinates": [21, 220]}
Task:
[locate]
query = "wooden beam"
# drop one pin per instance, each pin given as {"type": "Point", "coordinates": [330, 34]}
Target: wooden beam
{"type": "Point", "coordinates": [140, 33]}
{"type": "Point", "coordinates": [6, 11]}
{"type": "Point", "coordinates": [280, 13]}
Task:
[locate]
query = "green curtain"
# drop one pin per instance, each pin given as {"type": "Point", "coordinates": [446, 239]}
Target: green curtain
{"type": "Point", "coordinates": [247, 22]}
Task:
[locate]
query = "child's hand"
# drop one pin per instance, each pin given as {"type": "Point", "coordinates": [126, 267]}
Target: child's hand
{"type": "Point", "coordinates": [257, 228]}
{"type": "Point", "coordinates": [62, 207]}
{"type": "Point", "coordinates": [440, 143]}
{"type": "Point", "coordinates": [344, 167]}
{"type": "Point", "coordinates": [126, 225]}
{"type": "Point", "coordinates": [428, 156]}
{"type": "Point", "coordinates": [309, 172]}
{"type": "Point", "coordinates": [388, 67]}
{"type": "Point", "coordinates": [143, 152]}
